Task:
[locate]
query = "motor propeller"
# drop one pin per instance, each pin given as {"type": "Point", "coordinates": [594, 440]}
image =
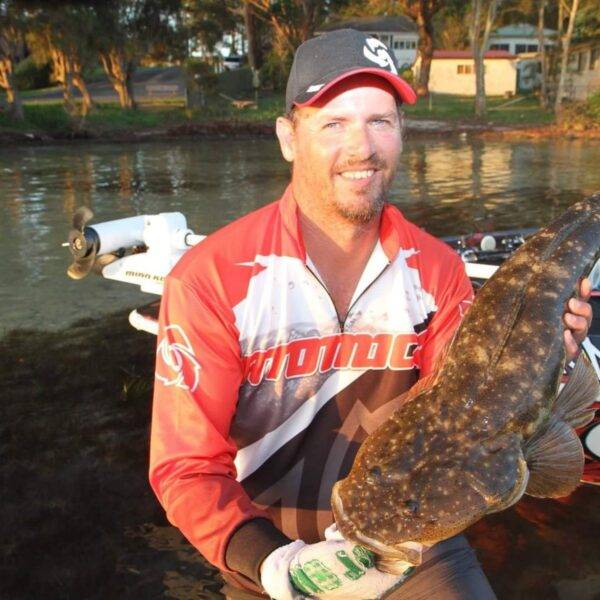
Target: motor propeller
{"type": "Point", "coordinates": [83, 244]}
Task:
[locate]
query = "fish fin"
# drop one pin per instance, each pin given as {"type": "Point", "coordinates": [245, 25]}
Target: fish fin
{"type": "Point", "coordinates": [394, 566]}
{"type": "Point", "coordinates": [401, 557]}
{"type": "Point", "coordinates": [554, 458]}
{"type": "Point", "coordinates": [574, 402]}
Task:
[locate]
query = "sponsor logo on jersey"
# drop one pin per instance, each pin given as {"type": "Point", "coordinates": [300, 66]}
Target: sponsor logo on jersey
{"type": "Point", "coordinates": [176, 364]}
{"type": "Point", "coordinates": [305, 356]}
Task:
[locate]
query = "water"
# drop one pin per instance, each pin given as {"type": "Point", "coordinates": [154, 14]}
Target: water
{"type": "Point", "coordinates": [445, 185]}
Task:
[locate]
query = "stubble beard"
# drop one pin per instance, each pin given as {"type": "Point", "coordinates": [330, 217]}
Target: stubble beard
{"type": "Point", "coordinates": [361, 215]}
{"type": "Point", "coordinates": [369, 208]}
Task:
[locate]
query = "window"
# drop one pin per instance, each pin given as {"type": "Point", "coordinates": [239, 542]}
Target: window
{"type": "Point", "coordinates": [594, 57]}
{"type": "Point", "coordinates": [520, 48]}
{"type": "Point", "coordinates": [573, 62]}
{"type": "Point", "coordinates": [399, 45]}
{"type": "Point", "coordinates": [464, 69]}
{"type": "Point", "coordinates": [532, 47]}
{"type": "Point", "coordinates": [500, 47]}
{"type": "Point", "coordinates": [413, 45]}
{"type": "Point", "coordinates": [576, 62]}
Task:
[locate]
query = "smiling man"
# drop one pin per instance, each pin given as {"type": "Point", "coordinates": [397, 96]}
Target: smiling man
{"type": "Point", "coordinates": [288, 336]}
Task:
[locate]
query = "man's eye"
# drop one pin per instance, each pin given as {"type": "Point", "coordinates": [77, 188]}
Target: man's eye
{"type": "Point", "coordinates": [381, 122]}
{"type": "Point", "coordinates": [332, 125]}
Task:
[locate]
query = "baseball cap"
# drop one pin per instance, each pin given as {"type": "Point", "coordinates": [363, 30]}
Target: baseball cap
{"type": "Point", "coordinates": [323, 61]}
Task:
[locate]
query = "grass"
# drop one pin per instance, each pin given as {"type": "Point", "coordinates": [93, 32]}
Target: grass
{"type": "Point", "coordinates": [49, 118]}
{"type": "Point", "coordinates": [445, 107]}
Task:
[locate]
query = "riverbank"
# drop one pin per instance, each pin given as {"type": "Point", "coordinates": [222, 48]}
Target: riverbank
{"type": "Point", "coordinates": [80, 520]}
{"type": "Point", "coordinates": [443, 115]}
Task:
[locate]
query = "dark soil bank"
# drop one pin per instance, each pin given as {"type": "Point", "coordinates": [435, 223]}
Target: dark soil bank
{"type": "Point", "coordinates": [80, 521]}
{"type": "Point", "coordinates": [251, 129]}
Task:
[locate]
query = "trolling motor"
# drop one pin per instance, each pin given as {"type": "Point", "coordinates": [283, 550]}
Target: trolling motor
{"type": "Point", "coordinates": [95, 247]}
{"type": "Point", "coordinates": [139, 250]}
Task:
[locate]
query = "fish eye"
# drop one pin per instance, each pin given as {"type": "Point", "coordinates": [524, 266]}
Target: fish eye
{"type": "Point", "coordinates": [375, 471]}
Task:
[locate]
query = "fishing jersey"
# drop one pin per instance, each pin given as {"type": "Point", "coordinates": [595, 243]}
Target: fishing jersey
{"type": "Point", "coordinates": [262, 396]}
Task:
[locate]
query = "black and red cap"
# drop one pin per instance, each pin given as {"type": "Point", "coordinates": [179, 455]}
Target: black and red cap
{"type": "Point", "coordinates": [325, 60]}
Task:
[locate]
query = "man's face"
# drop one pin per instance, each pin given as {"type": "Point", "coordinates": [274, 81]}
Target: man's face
{"type": "Point", "coordinates": [345, 149]}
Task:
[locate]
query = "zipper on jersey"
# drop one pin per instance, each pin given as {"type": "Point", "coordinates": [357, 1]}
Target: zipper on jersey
{"type": "Point", "coordinates": [341, 322]}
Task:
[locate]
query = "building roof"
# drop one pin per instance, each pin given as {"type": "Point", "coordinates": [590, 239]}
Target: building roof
{"type": "Point", "coordinates": [398, 24]}
{"type": "Point", "coordinates": [467, 54]}
{"type": "Point", "coordinates": [521, 30]}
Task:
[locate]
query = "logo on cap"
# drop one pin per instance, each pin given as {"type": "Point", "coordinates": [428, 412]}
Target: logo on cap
{"type": "Point", "coordinates": [377, 52]}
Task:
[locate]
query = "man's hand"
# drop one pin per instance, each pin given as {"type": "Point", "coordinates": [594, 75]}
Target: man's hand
{"type": "Point", "coordinates": [577, 319]}
{"type": "Point", "coordinates": [333, 569]}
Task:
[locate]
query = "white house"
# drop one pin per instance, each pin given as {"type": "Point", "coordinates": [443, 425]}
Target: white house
{"type": "Point", "coordinates": [397, 33]}
{"type": "Point", "coordinates": [520, 38]}
{"type": "Point", "coordinates": [453, 72]}
{"type": "Point", "coordinates": [583, 71]}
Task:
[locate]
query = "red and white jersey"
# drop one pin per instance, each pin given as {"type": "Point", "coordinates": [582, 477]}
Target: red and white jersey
{"type": "Point", "coordinates": [262, 397]}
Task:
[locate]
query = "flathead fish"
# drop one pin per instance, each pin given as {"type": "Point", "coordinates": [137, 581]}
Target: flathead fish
{"type": "Point", "coordinates": [490, 424]}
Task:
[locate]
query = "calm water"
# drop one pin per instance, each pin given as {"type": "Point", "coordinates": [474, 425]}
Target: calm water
{"type": "Point", "coordinates": [446, 186]}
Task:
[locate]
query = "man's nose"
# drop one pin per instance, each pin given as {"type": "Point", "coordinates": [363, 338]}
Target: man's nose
{"type": "Point", "coordinates": [359, 144]}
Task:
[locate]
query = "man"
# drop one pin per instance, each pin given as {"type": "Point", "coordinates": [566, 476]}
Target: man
{"type": "Point", "coordinates": [289, 335]}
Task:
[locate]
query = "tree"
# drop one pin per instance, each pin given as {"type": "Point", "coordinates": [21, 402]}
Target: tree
{"type": "Point", "coordinates": [251, 36]}
{"type": "Point", "coordinates": [209, 20]}
{"type": "Point", "coordinates": [451, 26]}
{"type": "Point", "coordinates": [565, 42]}
{"type": "Point", "coordinates": [11, 49]}
{"type": "Point", "coordinates": [423, 13]}
{"type": "Point", "coordinates": [131, 30]}
{"type": "Point", "coordinates": [62, 35]}
{"type": "Point", "coordinates": [482, 21]}
{"type": "Point", "coordinates": [542, 53]}
{"type": "Point", "coordinates": [292, 21]}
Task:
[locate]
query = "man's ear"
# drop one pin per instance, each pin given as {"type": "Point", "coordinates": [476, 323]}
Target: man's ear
{"type": "Point", "coordinates": [284, 128]}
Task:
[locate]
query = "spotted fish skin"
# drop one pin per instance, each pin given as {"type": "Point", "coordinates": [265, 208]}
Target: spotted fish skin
{"type": "Point", "coordinates": [454, 451]}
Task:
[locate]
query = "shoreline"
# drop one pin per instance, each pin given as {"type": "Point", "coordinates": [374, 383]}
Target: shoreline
{"type": "Point", "coordinates": [256, 129]}
{"type": "Point", "coordinates": [77, 417]}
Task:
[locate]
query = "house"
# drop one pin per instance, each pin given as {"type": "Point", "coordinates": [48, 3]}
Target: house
{"type": "Point", "coordinates": [453, 72]}
{"type": "Point", "coordinates": [397, 33]}
{"type": "Point", "coordinates": [520, 38]}
{"type": "Point", "coordinates": [583, 70]}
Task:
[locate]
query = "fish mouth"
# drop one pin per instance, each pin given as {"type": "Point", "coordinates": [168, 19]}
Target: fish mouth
{"type": "Point", "coordinates": [407, 552]}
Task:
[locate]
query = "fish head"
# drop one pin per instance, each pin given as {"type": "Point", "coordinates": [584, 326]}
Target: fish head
{"type": "Point", "coordinates": [382, 505]}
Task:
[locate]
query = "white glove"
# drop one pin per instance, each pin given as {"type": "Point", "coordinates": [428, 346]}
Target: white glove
{"type": "Point", "coordinates": [333, 569]}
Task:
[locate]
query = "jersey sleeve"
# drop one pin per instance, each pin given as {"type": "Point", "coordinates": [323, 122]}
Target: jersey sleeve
{"type": "Point", "coordinates": [454, 297]}
{"type": "Point", "coordinates": [198, 374]}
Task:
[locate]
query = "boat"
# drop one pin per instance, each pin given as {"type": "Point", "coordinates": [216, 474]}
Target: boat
{"type": "Point", "coordinates": [141, 250]}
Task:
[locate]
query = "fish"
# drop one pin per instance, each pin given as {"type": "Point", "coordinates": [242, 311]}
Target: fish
{"type": "Point", "coordinates": [492, 422]}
